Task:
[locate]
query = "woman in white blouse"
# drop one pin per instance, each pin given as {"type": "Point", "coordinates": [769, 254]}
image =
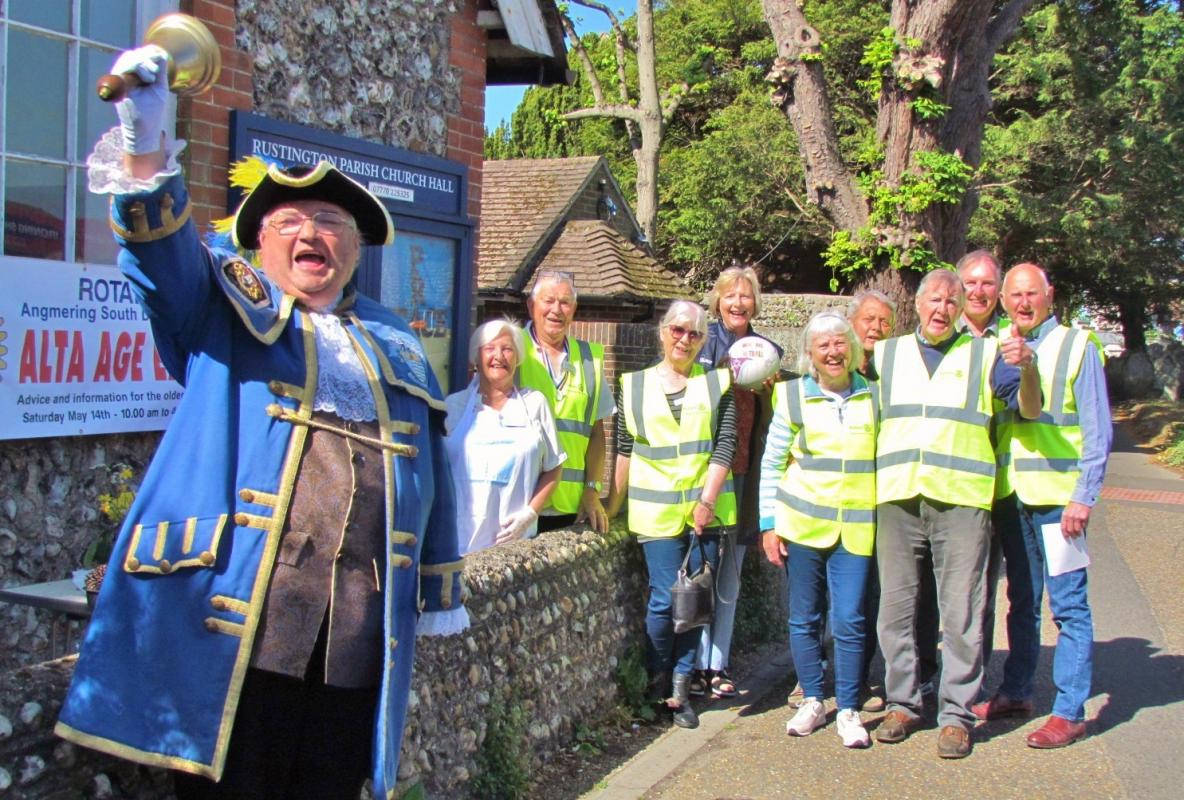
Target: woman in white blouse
{"type": "Point", "coordinates": [502, 444]}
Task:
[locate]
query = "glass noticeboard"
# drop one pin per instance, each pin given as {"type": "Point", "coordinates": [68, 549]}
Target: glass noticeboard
{"type": "Point", "coordinates": [418, 283]}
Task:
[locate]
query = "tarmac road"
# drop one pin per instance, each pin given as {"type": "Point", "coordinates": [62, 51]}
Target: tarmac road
{"type": "Point", "coordinates": [1135, 750]}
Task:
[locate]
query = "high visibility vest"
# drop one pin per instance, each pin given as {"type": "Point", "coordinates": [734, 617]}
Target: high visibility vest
{"type": "Point", "coordinates": [934, 437]}
{"type": "Point", "coordinates": [574, 405]}
{"type": "Point", "coordinates": [829, 490]}
{"type": "Point", "coordinates": [1040, 459]}
{"type": "Point", "coordinates": [670, 459]}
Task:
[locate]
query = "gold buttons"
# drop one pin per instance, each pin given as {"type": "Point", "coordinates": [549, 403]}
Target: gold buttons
{"type": "Point", "coordinates": [219, 604]}
{"type": "Point", "coordinates": [241, 519]}
{"type": "Point", "coordinates": [206, 557]}
{"type": "Point", "coordinates": [164, 566]}
{"type": "Point", "coordinates": [246, 495]}
{"type": "Point", "coordinates": [275, 387]}
{"type": "Point", "coordinates": [133, 563]}
{"type": "Point", "coordinates": [211, 626]}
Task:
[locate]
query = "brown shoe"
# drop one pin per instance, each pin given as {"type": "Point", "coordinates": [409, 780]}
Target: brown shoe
{"type": "Point", "coordinates": [1057, 732]}
{"type": "Point", "coordinates": [953, 742]}
{"type": "Point", "coordinates": [1000, 706]}
{"type": "Point", "coordinates": [871, 699]}
{"type": "Point", "coordinates": [896, 727]}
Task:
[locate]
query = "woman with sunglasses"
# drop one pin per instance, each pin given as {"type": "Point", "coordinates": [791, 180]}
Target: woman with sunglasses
{"type": "Point", "coordinates": [676, 437]}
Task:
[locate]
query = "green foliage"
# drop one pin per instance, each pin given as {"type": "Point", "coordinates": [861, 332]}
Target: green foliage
{"type": "Point", "coordinates": [633, 685]}
{"type": "Point", "coordinates": [1081, 166]}
{"type": "Point", "coordinates": [589, 741]}
{"type": "Point", "coordinates": [927, 108]}
{"type": "Point", "coordinates": [1174, 454]}
{"type": "Point", "coordinates": [877, 57]}
{"type": "Point", "coordinates": [503, 762]}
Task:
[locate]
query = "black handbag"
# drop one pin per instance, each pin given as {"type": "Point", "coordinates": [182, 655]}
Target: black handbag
{"type": "Point", "coordinates": [692, 597]}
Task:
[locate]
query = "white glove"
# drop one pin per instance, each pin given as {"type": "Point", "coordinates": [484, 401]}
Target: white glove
{"type": "Point", "coordinates": [514, 526]}
{"type": "Point", "coordinates": [142, 110]}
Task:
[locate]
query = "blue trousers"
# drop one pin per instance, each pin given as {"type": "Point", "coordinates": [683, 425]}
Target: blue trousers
{"type": "Point", "coordinates": [812, 572]}
{"type": "Point", "coordinates": [663, 557]}
{"type": "Point", "coordinates": [1068, 597]}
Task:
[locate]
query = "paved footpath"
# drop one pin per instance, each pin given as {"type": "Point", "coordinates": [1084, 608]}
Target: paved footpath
{"type": "Point", "coordinates": [1136, 744]}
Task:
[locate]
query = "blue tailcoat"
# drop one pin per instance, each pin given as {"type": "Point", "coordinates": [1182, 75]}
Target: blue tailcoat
{"type": "Point", "coordinates": [163, 661]}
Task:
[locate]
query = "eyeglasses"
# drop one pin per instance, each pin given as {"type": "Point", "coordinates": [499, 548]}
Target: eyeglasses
{"type": "Point", "coordinates": [329, 223]}
{"type": "Point", "coordinates": [678, 332]}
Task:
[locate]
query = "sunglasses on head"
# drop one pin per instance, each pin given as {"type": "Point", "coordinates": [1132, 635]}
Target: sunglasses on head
{"type": "Point", "coordinates": [678, 332]}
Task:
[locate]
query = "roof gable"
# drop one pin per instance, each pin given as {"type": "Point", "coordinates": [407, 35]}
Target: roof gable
{"type": "Point", "coordinates": [606, 264]}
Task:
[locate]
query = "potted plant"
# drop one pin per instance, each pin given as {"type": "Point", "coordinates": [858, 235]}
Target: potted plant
{"type": "Point", "coordinates": [114, 506]}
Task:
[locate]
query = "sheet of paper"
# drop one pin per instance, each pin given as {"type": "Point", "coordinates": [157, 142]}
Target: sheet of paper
{"type": "Point", "coordinates": [1063, 555]}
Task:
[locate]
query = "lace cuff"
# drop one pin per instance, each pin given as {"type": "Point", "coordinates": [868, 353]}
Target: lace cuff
{"type": "Point", "coordinates": [442, 623]}
{"type": "Point", "coordinates": [105, 173]}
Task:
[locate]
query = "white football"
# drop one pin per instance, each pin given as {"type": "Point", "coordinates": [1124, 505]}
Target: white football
{"type": "Point", "coordinates": [753, 361]}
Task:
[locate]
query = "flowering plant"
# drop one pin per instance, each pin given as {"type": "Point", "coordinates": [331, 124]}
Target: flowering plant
{"type": "Point", "coordinates": [113, 505]}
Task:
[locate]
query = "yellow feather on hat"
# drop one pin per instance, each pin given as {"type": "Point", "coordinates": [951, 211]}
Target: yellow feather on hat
{"type": "Point", "coordinates": [246, 173]}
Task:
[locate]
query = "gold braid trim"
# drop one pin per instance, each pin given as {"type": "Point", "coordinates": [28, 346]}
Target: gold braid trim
{"type": "Point", "coordinates": [141, 232]}
{"type": "Point", "coordinates": [447, 572]}
{"type": "Point", "coordinates": [283, 414]}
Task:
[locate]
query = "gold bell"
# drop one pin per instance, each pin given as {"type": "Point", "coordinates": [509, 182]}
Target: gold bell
{"type": "Point", "coordinates": [194, 58]}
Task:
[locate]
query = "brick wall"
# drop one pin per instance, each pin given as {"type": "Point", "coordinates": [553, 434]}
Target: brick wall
{"type": "Point", "coordinates": [466, 127]}
{"type": "Point", "coordinates": [204, 120]}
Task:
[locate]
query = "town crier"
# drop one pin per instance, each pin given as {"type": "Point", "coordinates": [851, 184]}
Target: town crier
{"type": "Point", "coordinates": [296, 529]}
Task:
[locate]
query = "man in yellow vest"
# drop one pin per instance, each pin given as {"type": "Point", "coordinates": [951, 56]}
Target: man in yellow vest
{"type": "Point", "coordinates": [935, 482]}
{"type": "Point", "coordinates": [982, 278]}
{"type": "Point", "coordinates": [570, 373]}
{"type": "Point", "coordinates": [1054, 468]}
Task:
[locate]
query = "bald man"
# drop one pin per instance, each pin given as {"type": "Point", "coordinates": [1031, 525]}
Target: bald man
{"type": "Point", "coordinates": [1053, 466]}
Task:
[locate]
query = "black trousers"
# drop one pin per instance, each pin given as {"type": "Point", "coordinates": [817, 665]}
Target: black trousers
{"type": "Point", "coordinates": [293, 739]}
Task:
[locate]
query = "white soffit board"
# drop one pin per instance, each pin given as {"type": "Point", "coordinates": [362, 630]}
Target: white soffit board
{"type": "Point", "coordinates": [525, 25]}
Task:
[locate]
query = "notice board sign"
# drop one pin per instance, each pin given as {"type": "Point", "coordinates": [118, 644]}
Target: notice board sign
{"type": "Point", "coordinates": [76, 354]}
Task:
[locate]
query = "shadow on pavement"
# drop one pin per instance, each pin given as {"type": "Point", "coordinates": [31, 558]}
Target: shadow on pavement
{"type": "Point", "coordinates": [1136, 674]}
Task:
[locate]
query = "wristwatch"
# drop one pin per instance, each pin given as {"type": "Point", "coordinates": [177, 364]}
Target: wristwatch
{"type": "Point", "coordinates": [594, 485]}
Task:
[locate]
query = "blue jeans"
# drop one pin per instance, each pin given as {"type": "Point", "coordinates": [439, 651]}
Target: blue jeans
{"type": "Point", "coordinates": [715, 643]}
{"type": "Point", "coordinates": [811, 572]}
{"type": "Point", "coordinates": [1068, 597]}
{"type": "Point", "coordinates": [663, 557]}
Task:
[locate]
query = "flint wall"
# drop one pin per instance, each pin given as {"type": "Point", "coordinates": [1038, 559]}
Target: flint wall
{"type": "Point", "coordinates": [551, 620]}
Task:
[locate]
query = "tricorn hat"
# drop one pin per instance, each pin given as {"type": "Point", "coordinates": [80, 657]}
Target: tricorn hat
{"type": "Point", "coordinates": [322, 182]}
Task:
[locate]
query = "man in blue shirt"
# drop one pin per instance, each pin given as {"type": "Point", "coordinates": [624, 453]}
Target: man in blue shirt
{"type": "Point", "coordinates": [1055, 464]}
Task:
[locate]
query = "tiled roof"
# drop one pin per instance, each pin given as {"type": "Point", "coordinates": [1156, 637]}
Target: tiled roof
{"type": "Point", "coordinates": [521, 200]}
{"type": "Point", "coordinates": [605, 264]}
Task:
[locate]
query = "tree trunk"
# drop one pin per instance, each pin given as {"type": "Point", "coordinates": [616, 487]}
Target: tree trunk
{"type": "Point", "coordinates": [1132, 313]}
{"type": "Point", "coordinates": [802, 96]}
{"type": "Point", "coordinates": [649, 104]}
{"type": "Point", "coordinates": [958, 40]}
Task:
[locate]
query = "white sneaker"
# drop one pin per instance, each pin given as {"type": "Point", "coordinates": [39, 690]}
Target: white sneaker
{"type": "Point", "coordinates": [851, 729]}
{"type": "Point", "coordinates": [810, 717]}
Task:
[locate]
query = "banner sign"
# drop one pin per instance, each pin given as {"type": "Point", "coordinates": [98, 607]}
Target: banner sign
{"type": "Point", "coordinates": [76, 353]}
{"type": "Point", "coordinates": [424, 183]}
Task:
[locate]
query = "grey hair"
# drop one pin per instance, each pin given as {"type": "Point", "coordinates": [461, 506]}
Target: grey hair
{"type": "Point", "coordinates": [729, 278]}
{"type": "Point", "coordinates": [870, 294]}
{"type": "Point", "coordinates": [974, 257]}
{"type": "Point", "coordinates": [557, 276]}
{"type": "Point", "coordinates": [685, 311]}
{"type": "Point", "coordinates": [826, 323]}
{"type": "Point", "coordinates": [488, 331]}
{"type": "Point", "coordinates": [945, 277]}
